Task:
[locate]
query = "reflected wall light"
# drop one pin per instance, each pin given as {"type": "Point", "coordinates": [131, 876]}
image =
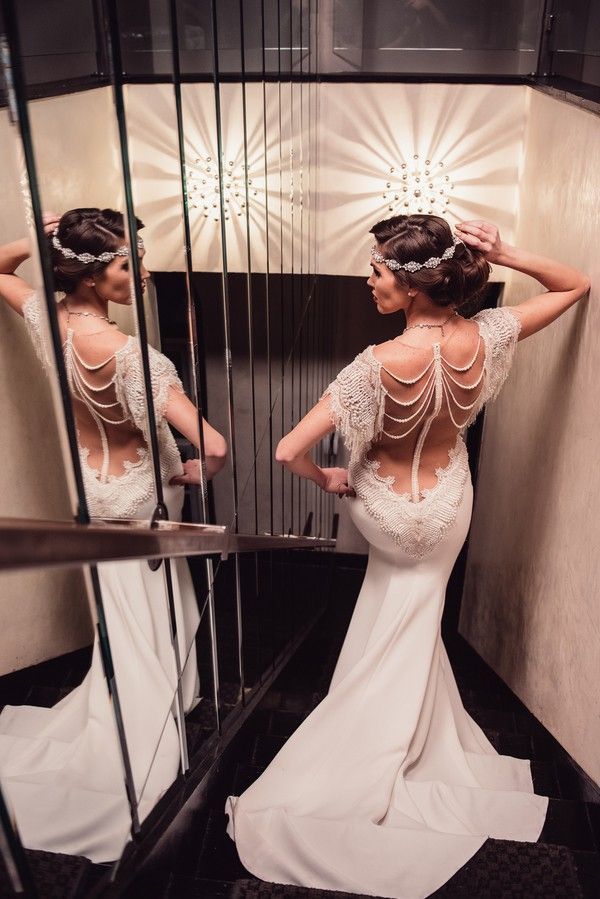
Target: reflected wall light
{"type": "Point", "coordinates": [204, 189]}
{"type": "Point", "coordinates": [418, 187]}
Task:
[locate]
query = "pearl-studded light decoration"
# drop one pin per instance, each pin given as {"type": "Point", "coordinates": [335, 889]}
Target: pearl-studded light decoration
{"type": "Point", "coordinates": [418, 187]}
{"type": "Point", "coordinates": [204, 190]}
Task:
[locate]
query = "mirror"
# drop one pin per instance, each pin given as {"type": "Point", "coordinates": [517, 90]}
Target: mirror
{"type": "Point", "coordinates": [202, 144]}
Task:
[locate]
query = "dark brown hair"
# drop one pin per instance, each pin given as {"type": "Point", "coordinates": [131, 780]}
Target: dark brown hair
{"type": "Point", "coordinates": [86, 230]}
{"type": "Point", "coordinates": [419, 237]}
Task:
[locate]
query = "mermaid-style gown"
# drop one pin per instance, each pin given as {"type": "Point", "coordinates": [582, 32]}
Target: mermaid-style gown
{"type": "Point", "coordinates": [389, 786]}
{"type": "Point", "coordinates": [61, 767]}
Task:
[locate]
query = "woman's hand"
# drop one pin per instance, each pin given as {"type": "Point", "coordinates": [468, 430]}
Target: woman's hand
{"type": "Point", "coordinates": [50, 220]}
{"type": "Point", "coordinates": [191, 474]}
{"type": "Point", "coordinates": [335, 480]}
{"type": "Point", "coordinates": [481, 236]}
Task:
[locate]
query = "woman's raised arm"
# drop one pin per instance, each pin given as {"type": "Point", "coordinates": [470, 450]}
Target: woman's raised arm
{"type": "Point", "coordinates": [14, 289]}
{"type": "Point", "coordinates": [565, 285]}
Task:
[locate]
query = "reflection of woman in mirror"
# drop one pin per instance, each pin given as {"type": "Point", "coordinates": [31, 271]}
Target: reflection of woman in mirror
{"type": "Point", "coordinates": [390, 786]}
{"type": "Point", "coordinates": [68, 754]}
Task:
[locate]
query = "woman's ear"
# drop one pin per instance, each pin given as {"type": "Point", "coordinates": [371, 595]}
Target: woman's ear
{"type": "Point", "coordinates": [89, 282]}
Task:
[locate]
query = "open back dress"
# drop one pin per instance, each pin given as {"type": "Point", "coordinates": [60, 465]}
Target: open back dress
{"type": "Point", "coordinates": [389, 786]}
{"type": "Point", "coordinates": [61, 767]}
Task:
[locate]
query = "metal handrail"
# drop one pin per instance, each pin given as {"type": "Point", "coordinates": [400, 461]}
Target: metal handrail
{"type": "Point", "coordinates": [34, 543]}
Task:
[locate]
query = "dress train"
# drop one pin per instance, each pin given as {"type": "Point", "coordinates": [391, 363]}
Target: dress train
{"type": "Point", "coordinates": [389, 786]}
{"type": "Point", "coordinates": [61, 767]}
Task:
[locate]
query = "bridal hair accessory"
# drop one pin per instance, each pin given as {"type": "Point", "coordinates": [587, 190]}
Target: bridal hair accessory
{"type": "Point", "coordinates": [87, 257]}
{"type": "Point", "coordinates": [411, 266]}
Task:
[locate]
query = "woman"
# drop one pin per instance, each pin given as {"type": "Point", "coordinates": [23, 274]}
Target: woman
{"type": "Point", "coordinates": [389, 786]}
{"type": "Point", "coordinates": [61, 767]}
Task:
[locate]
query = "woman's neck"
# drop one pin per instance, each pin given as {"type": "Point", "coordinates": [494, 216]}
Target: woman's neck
{"type": "Point", "coordinates": [429, 317]}
{"type": "Point", "coordinates": [88, 301]}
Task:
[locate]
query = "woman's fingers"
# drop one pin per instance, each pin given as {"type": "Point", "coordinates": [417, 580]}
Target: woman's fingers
{"type": "Point", "coordinates": [191, 473]}
{"type": "Point", "coordinates": [50, 220]}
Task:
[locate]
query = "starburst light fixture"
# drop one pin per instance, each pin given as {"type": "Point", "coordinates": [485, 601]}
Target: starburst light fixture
{"type": "Point", "coordinates": [418, 187]}
{"type": "Point", "coordinates": [203, 188]}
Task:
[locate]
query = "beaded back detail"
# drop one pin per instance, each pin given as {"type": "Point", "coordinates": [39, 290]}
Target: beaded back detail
{"type": "Point", "coordinates": [359, 411]}
{"type": "Point", "coordinates": [118, 399]}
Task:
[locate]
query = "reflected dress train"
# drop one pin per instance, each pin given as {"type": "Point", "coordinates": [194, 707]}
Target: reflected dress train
{"type": "Point", "coordinates": [389, 786]}
{"type": "Point", "coordinates": [61, 767]}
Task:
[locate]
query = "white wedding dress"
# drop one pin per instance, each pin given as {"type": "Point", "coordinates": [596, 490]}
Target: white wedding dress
{"type": "Point", "coordinates": [389, 786]}
{"type": "Point", "coordinates": [61, 767]}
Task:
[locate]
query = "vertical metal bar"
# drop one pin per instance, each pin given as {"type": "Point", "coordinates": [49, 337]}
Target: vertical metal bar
{"type": "Point", "coordinates": [543, 68]}
{"type": "Point", "coordinates": [293, 478]}
{"type": "Point", "coordinates": [189, 266]}
{"type": "Point", "coordinates": [273, 609]}
{"type": "Point", "coordinates": [302, 281]}
{"type": "Point", "coordinates": [185, 764]}
{"type": "Point", "coordinates": [281, 303]}
{"type": "Point", "coordinates": [258, 599]}
{"type": "Point", "coordinates": [113, 691]}
{"type": "Point", "coordinates": [268, 272]}
{"type": "Point", "coordinates": [161, 512]}
{"type": "Point", "coordinates": [321, 386]}
{"type": "Point", "coordinates": [212, 624]}
{"type": "Point", "coordinates": [249, 298]}
{"type": "Point", "coordinates": [224, 276]}
{"type": "Point", "coordinates": [240, 628]}
{"type": "Point", "coordinates": [11, 851]}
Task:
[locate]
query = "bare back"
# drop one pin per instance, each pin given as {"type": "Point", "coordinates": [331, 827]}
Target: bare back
{"type": "Point", "coordinates": [430, 391]}
{"type": "Point", "coordinates": [110, 441]}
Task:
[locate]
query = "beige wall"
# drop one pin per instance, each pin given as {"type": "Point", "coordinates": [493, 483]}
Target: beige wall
{"type": "Point", "coordinates": [530, 605]}
{"type": "Point", "coordinates": [44, 613]}
{"type": "Point", "coordinates": [476, 131]}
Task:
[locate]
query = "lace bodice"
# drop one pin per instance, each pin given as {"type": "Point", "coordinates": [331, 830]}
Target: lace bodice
{"type": "Point", "coordinates": [111, 392]}
{"type": "Point", "coordinates": [367, 413]}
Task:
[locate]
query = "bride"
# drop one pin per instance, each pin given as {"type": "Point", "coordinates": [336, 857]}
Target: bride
{"type": "Point", "coordinates": [60, 767]}
{"type": "Point", "coordinates": [389, 786]}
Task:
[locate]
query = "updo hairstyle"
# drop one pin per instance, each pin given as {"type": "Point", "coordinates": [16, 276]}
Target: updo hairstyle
{"type": "Point", "coordinates": [457, 281]}
{"type": "Point", "coordinates": [87, 230]}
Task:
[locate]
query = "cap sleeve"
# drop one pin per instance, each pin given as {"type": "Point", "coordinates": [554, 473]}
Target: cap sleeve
{"type": "Point", "coordinates": [500, 330]}
{"type": "Point", "coordinates": [357, 401]}
{"type": "Point", "coordinates": [130, 383]}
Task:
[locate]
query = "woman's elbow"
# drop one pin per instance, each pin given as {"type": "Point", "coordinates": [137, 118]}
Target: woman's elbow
{"type": "Point", "coordinates": [283, 453]}
{"type": "Point", "coordinates": [215, 456]}
{"type": "Point", "coordinates": [218, 450]}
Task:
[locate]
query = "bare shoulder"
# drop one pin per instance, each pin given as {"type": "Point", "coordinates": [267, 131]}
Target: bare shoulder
{"type": "Point", "coordinates": [409, 358]}
{"type": "Point", "coordinates": [398, 358]}
{"type": "Point", "coordinates": [98, 345]}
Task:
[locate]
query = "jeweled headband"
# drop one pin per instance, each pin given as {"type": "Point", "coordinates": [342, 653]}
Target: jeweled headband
{"type": "Point", "coordinates": [411, 266]}
{"type": "Point", "coordinates": [87, 257]}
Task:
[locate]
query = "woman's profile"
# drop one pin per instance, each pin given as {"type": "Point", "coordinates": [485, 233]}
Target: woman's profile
{"type": "Point", "coordinates": [390, 786]}
{"type": "Point", "coordinates": [60, 766]}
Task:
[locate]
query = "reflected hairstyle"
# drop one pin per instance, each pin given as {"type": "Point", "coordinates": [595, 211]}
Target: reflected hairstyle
{"type": "Point", "coordinates": [455, 281]}
{"type": "Point", "coordinates": [86, 230]}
